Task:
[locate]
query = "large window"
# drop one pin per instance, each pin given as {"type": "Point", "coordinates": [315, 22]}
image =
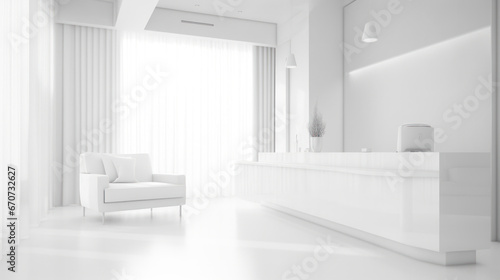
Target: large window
{"type": "Point", "coordinates": [188, 102]}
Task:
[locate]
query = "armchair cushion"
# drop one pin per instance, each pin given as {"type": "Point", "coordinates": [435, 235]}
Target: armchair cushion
{"type": "Point", "coordinates": [109, 167]}
{"type": "Point", "coordinates": [143, 169]}
{"type": "Point", "coordinates": [91, 163]}
{"type": "Point", "coordinates": [119, 192]}
{"type": "Point", "coordinates": [125, 167]}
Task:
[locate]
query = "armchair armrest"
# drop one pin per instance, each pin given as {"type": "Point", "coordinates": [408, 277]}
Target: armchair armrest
{"type": "Point", "coordinates": [170, 178]}
{"type": "Point", "coordinates": [92, 190]}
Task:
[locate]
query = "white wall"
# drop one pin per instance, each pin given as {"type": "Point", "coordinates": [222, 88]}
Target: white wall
{"type": "Point", "coordinates": [412, 25]}
{"type": "Point", "coordinates": [299, 90]}
{"type": "Point", "coordinates": [427, 65]}
{"type": "Point", "coordinates": [293, 37]}
{"type": "Point", "coordinates": [326, 69]}
{"type": "Point", "coordinates": [282, 52]}
{"type": "Point", "coordinates": [314, 36]}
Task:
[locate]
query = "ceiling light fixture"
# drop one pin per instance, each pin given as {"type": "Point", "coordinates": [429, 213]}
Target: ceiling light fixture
{"type": "Point", "coordinates": [370, 33]}
{"type": "Point", "coordinates": [291, 62]}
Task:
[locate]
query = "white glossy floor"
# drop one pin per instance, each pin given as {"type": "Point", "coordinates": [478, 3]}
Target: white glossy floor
{"type": "Point", "coordinates": [231, 239]}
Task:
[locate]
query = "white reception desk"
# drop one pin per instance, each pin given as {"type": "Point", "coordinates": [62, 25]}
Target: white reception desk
{"type": "Point", "coordinates": [433, 207]}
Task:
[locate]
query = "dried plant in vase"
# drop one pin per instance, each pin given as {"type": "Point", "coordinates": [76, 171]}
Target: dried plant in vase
{"type": "Point", "coordinates": [316, 130]}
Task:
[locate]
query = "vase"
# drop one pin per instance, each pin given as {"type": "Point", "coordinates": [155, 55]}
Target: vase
{"type": "Point", "coordinates": [316, 144]}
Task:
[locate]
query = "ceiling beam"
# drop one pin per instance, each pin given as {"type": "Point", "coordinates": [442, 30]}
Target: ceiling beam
{"type": "Point", "coordinates": [134, 14]}
{"type": "Point", "coordinates": [93, 13]}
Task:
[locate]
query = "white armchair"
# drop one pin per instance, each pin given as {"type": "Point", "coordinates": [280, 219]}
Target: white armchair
{"type": "Point", "coordinates": [151, 190]}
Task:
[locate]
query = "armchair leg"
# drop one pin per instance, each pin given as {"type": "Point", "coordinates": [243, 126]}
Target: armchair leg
{"type": "Point", "coordinates": [84, 211]}
{"type": "Point", "coordinates": [103, 217]}
{"type": "Point", "coordinates": [180, 211]}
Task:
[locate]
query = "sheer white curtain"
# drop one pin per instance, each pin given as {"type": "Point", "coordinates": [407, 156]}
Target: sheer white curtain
{"type": "Point", "coordinates": [189, 103]}
{"type": "Point", "coordinates": [42, 102]}
{"type": "Point", "coordinates": [264, 91]}
{"type": "Point", "coordinates": [14, 81]}
{"type": "Point", "coordinates": [88, 74]}
{"type": "Point", "coordinates": [26, 107]}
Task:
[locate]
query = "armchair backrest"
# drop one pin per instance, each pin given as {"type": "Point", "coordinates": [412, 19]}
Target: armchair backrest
{"type": "Point", "coordinates": [91, 163]}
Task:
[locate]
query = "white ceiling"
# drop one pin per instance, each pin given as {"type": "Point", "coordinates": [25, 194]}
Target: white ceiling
{"type": "Point", "coordinates": [274, 11]}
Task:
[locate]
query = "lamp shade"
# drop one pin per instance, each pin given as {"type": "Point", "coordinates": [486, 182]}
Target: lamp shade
{"type": "Point", "coordinates": [291, 62]}
{"type": "Point", "coordinates": [370, 33]}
